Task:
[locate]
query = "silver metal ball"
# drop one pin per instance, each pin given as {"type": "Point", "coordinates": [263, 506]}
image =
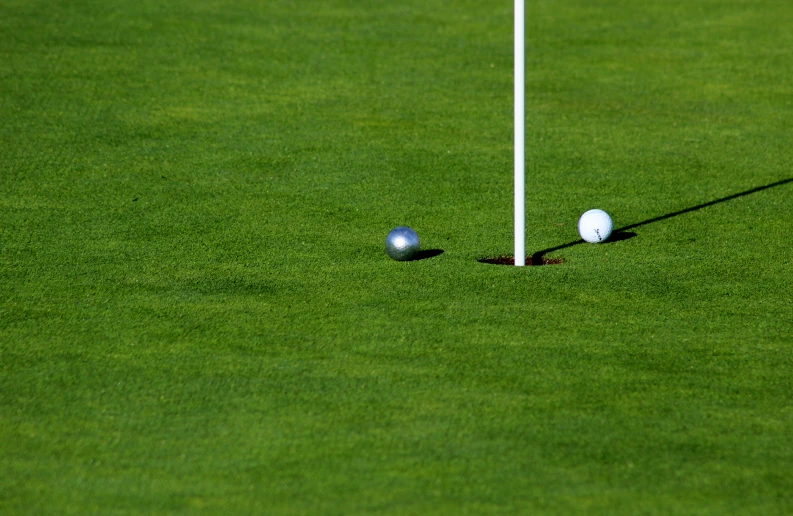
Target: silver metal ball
{"type": "Point", "coordinates": [402, 244]}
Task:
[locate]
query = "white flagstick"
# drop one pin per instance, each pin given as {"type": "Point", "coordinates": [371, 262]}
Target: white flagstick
{"type": "Point", "coordinates": [520, 138]}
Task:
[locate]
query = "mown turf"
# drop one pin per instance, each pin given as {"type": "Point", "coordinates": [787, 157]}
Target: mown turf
{"type": "Point", "coordinates": [196, 312]}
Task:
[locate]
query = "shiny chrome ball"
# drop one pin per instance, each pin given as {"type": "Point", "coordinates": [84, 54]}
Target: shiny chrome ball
{"type": "Point", "coordinates": [402, 244]}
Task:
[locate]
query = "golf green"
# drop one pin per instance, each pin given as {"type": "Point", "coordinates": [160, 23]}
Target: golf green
{"type": "Point", "coordinates": [197, 313]}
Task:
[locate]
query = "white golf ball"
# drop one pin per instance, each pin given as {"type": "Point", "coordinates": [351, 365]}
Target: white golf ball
{"type": "Point", "coordinates": [595, 226]}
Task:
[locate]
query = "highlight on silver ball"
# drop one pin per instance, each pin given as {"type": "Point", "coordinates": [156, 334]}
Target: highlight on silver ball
{"type": "Point", "coordinates": [402, 244]}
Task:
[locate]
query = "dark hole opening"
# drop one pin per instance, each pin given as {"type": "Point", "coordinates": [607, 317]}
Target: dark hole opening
{"type": "Point", "coordinates": [510, 260]}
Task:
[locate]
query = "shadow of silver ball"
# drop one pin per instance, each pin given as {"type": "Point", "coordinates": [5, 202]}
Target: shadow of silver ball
{"type": "Point", "coordinates": [402, 244]}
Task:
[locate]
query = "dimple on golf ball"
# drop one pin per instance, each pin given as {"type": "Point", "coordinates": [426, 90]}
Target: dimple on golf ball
{"type": "Point", "coordinates": [402, 244]}
{"type": "Point", "coordinates": [595, 226]}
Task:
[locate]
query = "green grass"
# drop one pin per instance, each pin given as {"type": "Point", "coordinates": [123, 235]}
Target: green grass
{"type": "Point", "coordinates": [196, 313]}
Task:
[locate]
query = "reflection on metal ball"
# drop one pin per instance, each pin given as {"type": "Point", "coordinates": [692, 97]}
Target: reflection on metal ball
{"type": "Point", "coordinates": [402, 244]}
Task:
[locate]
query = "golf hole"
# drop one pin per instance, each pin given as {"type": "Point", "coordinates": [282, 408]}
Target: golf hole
{"type": "Point", "coordinates": [510, 260]}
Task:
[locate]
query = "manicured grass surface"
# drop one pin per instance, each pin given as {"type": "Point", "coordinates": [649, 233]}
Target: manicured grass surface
{"type": "Point", "coordinates": [196, 311]}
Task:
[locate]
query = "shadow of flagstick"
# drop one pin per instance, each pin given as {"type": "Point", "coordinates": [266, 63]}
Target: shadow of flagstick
{"type": "Point", "coordinates": [537, 258]}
